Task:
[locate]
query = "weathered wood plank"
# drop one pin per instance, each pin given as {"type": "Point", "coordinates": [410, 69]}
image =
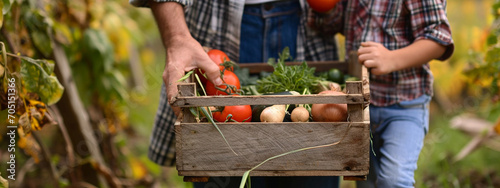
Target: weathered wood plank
{"type": "Point", "coordinates": [354, 111]}
{"type": "Point", "coordinates": [267, 100]}
{"type": "Point", "coordinates": [276, 173]}
{"type": "Point", "coordinates": [354, 65]}
{"type": "Point", "coordinates": [187, 90]}
{"type": "Point", "coordinates": [203, 148]}
{"type": "Point", "coordinates": [366, 84]}
{"type": "Point", "coordinates": [178, 145]}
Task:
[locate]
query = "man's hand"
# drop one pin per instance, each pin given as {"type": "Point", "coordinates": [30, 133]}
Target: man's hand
{"type": "Point", "coordinates": [183, 55]}
{"type": "Point", "coordinates": [378, 59]}
{"type": "Point", "coordinates": [183, 52]}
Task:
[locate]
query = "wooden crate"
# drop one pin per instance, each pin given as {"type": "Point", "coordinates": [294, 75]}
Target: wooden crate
{"type": "Point", "coordinates": [202, 152]}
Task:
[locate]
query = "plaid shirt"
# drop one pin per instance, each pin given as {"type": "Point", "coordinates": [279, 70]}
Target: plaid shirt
{"type": "Point", "coordinates": [395, 24]}
{"type": "Point", "coordinates": [217, 24]}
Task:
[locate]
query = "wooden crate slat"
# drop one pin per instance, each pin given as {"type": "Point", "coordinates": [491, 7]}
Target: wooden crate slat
{"type": "Point", "coordinates": [354, 111]}
{"type": "Point", "coordinates": [276, 173]}
{"type": "Point", "coordinates": [178, 145]}
{"type": "Point", "coordinates": [187, 101]}
{"type": "Point", "coordinates": [203, 148]}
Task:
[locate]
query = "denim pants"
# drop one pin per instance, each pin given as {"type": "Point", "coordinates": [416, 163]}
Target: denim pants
{"type": "Point", "coordinates": [266, 29]}
{"type": "Point", "coordinates": [398, 135]}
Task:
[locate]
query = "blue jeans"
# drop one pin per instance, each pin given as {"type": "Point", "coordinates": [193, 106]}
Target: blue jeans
{"type": "Point", "coordinates": [398, 135]}
{"type": "Point", "coordinates": [268, 28]}
{"type": "Point", "coordinates": [273, 182]}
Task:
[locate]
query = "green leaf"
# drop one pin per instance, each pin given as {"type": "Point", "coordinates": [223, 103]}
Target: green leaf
{"type": "Point", "coordinates": [39, 26]}
{"type": "Point", "coordinates": [97, 47]}
{"type": "Point", "coordinates": [199, 82]}
{"type": "Point", "coordinates": [491, 40]}
{"type": "Point", "coordinates": [36, 77]}
{"type": "Point", "coordinates": [81, 74]}
{"type": "Point", "coordinates": [186, 76]}
{"type": "Point", "coordinates": [245, 77]}
{"type": "Point", "coordinates": [117, 85]}
{"type": "Point", "coordinates": [287, 78]}
{"type": "Point", "coordinates": [62, 33]}
{"type": "Point", "coordinates": [6, 6]}
{"type": "Point", "coordinates": [492, 57]}
{"type": "Point", "coordinates": [42, 42]}
{"type": "Point", "coordinates": [494, 85]}
{"type": "Point", "coordinates": [495, 8]}
{"type": "Point", "coordinates": [244, 179]}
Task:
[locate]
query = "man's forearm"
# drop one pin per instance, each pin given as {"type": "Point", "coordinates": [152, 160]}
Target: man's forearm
{"type": "Point", "coordinates": [170, 19]}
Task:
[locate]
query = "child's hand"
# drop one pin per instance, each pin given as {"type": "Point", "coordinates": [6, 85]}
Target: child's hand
{"type": "Point", "coordinates": [378, 59]}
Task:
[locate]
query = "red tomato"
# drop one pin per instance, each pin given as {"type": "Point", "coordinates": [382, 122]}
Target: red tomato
{"type": "Point", "coordinates": [228, 78]}
{"type": "Point", "coordinates": [322, 5]}
{"type": "Point", "coordinates": [240, 113]}
{"type": "Point", "coordinates": [218, 57]}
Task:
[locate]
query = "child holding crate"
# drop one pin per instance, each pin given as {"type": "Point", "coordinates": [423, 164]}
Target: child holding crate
{"type": "Point", "coordinates": [395, 40]}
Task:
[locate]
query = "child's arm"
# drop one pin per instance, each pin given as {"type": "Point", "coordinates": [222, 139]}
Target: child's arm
{"type": "Point", "coordinates": [383, 61]}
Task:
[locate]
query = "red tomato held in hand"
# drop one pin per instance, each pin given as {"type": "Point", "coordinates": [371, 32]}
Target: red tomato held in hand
{"type": "Point", "coordinates": [218, 57]}
{"type": "Point", "coordinates": [230, 79]}
{"type": "Point", "coordinates": [322, 5]}
{"type": "Point", "coordinates": [240, 113]}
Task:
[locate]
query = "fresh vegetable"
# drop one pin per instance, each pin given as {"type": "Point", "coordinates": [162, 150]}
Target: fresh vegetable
{"type": "Point", "coordinates": [322, 5]}
{"type": "Point", "coordinates": [239, 113]}
{"type": "Point", "coordinates": [325, 85]}
{"type": "Point", "coordinates": [335, 75]}
{"type": "Point", "coordinates": [257, 109]}
{"type": "Point", "coordinates": [288, 78]}
{"type": "Point", "coordinates": [274, 113]}
{"type": "Point", "coordinates": [231, 85]}
{"type": "Point", "coordinates": [300, 114]}
{"type": "Point", "coordinates": [245, 78]}
{"type": "Point", "coordinates": [329, 112]}
{"type": "Point", "coordinates": [218, 57]}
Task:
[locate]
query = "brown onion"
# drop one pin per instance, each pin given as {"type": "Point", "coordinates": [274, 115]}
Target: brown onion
{"type": "Point", "coordinates": [329, 112]}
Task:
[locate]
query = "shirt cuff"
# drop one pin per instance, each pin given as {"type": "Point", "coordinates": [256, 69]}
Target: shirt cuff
{"type": "Point", "coordinates": [442, 37]}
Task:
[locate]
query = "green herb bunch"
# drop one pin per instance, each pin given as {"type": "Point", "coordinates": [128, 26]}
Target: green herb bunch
{"type": "Point", "coordinates": [287, 78]}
